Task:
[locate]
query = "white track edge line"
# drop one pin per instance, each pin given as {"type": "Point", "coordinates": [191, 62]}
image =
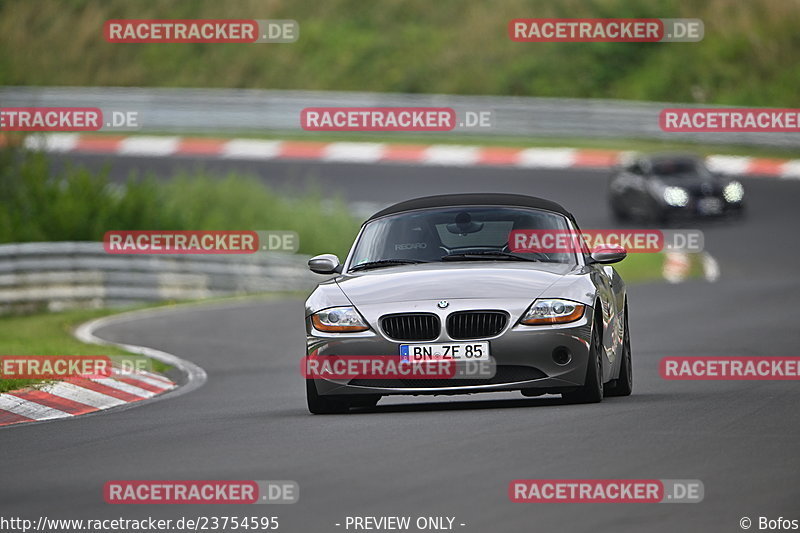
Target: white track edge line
{"type": "Point", "coordinates": [195, 375]}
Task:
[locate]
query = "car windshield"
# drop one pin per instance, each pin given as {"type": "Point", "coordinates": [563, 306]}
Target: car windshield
{"type": "Point", "coordinates": [678, 167]}
{"type": "Point", "coordinates": [470, 233]}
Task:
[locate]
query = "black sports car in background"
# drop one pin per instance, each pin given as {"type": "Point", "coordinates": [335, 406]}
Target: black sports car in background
{"type": "Point", "coordinates": [658, 188]}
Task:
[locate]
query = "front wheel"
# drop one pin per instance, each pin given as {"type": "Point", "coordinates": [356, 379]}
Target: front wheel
{"type": "Point", "coordinates": [328, 405]}
{"type": "Point", "coordinates": [323, 405]}
{"type": "Point", "coordinates": [619, 214]}
{"type": "Point", "coordinates": [623, 385]}
{"type": "Point", "coordinates": [592, 389]}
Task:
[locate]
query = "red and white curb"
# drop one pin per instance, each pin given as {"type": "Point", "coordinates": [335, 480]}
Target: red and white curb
{"type": "Point", "coordinates": [366, 152]}
{"type": "Point", "coordinates": [80, 396]}
{"type": "Point", "coordinates": [678, 264]}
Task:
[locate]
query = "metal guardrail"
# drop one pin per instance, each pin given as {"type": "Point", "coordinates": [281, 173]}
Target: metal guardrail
{"type": "Point", "coordinates": [249, 110]}
{"type": "Point", "coordinates": [61, 275]}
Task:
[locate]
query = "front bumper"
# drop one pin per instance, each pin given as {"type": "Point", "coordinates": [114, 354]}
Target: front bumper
{"type": "Point", "coordinates": [697, 209]}
{"type": "Point", "coordinates": [524, 356]}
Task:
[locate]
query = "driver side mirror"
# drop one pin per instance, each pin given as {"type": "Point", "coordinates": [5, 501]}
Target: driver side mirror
{"type": "Point", "coordinates": [606, 255]}
{"type": "Point", "coordinates": [325, 264]}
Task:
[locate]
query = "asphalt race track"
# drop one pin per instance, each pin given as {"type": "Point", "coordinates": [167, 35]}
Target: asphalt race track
{"type": "Point", "coordinates": [454, 456]}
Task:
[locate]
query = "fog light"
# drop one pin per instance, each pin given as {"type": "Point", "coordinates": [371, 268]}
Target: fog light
{"type": "Point", "coordinates": [562, 356]}
{"type": "Point", "coordinates": [676, 196]}
{"type": "Point", "coordinates": [733, 192]}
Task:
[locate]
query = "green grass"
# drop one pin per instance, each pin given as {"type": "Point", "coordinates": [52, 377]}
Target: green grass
{"type": "Point", "coordinates": [51, 334]}
{"type": "Point", "coordinates": [645, 267]}
{"type": "Point", "coordinates": [749, 55]}
{"type": "Point", "coordinates": [637, 268]}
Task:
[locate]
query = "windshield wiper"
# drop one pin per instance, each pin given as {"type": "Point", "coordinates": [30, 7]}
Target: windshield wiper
{"type": "Point", "coordinates": [385, 262]}
{"type": "Point", "coordinates": [485, 255]}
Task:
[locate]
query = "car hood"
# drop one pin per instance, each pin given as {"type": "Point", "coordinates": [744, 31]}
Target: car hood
{"type": "Point", "coordinates": [451, 281]}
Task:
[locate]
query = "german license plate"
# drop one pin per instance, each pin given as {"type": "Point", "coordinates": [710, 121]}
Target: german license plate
{"type": "Point", "coordinates": [709, 206]}
{"type": "Point", "coordinates": [460, 351]}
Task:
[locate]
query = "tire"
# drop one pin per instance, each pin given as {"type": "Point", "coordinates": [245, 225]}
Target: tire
{"type": "Point", "coordinates": [657, 217]}
{"type": "Point", "coordinates": [623, 385]}
{"type": "Point", "coordinates": [619, 214]}
{"type": "Point", "coordinates": [324, 405]}
{"type": "Point", "coordinates": [327, 405]}
{"type": "Point", "coordinates": [592, 389]}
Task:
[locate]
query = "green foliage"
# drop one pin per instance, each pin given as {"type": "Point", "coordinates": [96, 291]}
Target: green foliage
{"type": "Point", "coordinates": [749, 56]}
{"type": "Point", "coordinates": [76, 205]}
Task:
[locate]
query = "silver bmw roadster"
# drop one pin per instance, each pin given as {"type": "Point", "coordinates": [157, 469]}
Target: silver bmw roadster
{"type": "Point", "coordinates": [436, 279]}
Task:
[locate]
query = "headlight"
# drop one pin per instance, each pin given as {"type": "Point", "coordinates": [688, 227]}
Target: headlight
{"type": "Point", "coordinates": [676, 196]}
{"type": "Point", "coordinates": [338, 320]}
{"type": "Point", "coordinates": [552, 312]}
{"type": "Point", "coordinates": [733, 192]}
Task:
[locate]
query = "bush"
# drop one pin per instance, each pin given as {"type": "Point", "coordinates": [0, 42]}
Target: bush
{"type": "Point", "coordinates": [748, 56]}
{"type": "Point", "coordinates": [78, 205]}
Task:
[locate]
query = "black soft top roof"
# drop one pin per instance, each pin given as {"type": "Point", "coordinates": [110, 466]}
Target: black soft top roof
{"type": "Point", "coordinates": [671, 156]}
{"type": "Point", "coordinates": [449, 200]}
